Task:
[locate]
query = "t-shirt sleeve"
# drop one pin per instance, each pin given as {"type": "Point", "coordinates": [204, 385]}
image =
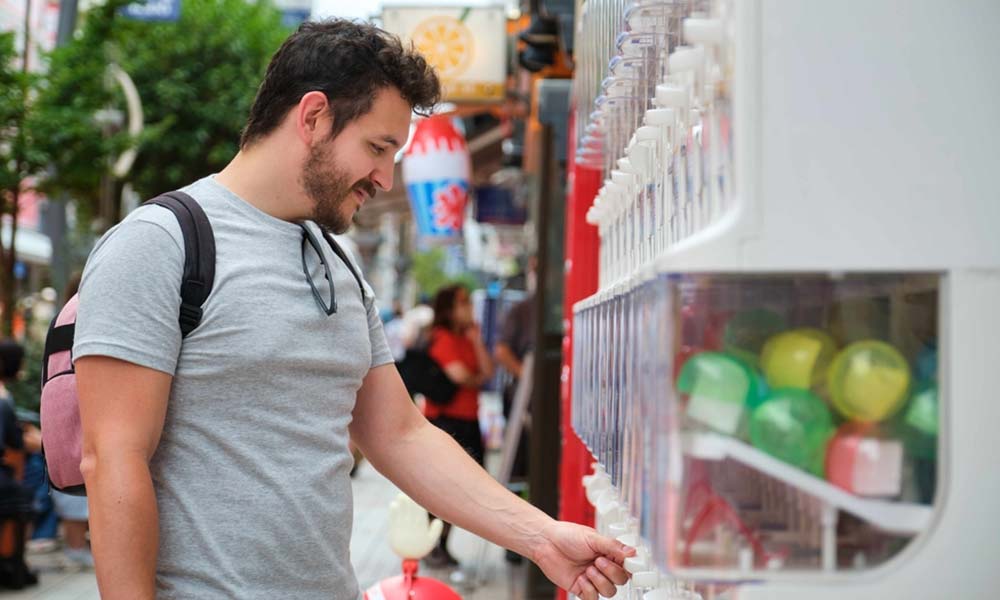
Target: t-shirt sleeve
{"type": "Point", "coordinates": [381, 354]}
{"type": "Point", "coordinates": [130, 297]}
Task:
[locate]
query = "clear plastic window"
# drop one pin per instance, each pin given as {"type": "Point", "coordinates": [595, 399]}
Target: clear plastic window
{"type": "Point", "coordinates": [766, 424]}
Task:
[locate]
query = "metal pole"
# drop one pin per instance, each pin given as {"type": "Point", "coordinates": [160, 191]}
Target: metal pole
{"type": "Point", "coordinates": [67, 22]}
{"type": "Point", "coordinates": [27, 35]}
{"type": "Point", "coordinates": [55, 209]}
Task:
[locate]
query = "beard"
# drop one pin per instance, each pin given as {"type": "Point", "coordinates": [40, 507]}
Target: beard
{"type": "Point", "coordinates": [329, 188]}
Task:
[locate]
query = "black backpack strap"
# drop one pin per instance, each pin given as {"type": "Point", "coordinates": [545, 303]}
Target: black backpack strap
{"type": "Point", "coordinates": [347, 261]}
{"type": "Point", "coordinates": [199, 255]}
{"type": "Point", "coordinates": [59, 339]}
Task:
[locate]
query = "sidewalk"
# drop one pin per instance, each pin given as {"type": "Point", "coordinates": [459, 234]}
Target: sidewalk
{"type": "Point", "coordinates": [373, 559]}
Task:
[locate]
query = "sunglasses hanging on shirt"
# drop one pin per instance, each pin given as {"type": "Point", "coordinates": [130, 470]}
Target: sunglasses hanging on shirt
{"type": "Point", "coordinates": [310, 238]}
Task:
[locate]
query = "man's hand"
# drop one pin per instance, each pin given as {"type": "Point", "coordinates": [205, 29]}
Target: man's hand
{"type": "Point", "coordinates": [581, 561]}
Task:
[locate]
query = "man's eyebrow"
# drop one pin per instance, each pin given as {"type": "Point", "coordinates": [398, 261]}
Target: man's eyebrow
{"type": "Point", "coordinates": [390, 140]}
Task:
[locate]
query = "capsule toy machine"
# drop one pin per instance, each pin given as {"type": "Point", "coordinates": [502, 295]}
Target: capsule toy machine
{"type": "Point", "coordinates": [787, 378]}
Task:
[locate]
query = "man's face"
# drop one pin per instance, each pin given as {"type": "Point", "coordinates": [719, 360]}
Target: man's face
{"type": "Point", "coordinates": [341, 173]}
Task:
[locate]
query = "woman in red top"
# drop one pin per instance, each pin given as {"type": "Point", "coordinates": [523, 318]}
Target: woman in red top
{"type": "Point", "coordinates": [456, 345]}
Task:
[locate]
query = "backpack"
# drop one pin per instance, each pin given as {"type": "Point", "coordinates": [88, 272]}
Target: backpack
{"type": "Point", "coordinates": [421, 374]}
{"type": "Point", "coordinates": [62, 436]}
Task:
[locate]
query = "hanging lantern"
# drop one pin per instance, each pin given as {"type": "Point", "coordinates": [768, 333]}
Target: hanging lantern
{"type": "Point", "coordinates": [436, 172]}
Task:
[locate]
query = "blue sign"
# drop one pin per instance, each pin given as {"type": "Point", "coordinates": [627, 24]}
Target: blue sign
{"type": "Point", "coordinates": [293, 17]}
{"type": "Point", "coordinates": [153, 10]}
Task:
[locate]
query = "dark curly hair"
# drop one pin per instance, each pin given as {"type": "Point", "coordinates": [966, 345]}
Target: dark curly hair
{"type": "Point", "coordinates": [349, 62]}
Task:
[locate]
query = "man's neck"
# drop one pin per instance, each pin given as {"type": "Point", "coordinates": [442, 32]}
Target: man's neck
{"type": "Point", "coordinates": [267, 181]}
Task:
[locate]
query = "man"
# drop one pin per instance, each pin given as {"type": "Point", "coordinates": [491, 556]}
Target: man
{"type": "Point", "coordinates": [218, 467]}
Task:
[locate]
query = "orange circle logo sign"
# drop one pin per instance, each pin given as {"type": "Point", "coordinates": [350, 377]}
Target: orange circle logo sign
{"type": "Point", "coordinates": [446, 43]}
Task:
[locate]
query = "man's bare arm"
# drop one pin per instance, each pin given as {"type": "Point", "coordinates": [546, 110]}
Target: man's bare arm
{"type": "Point", "coordinates": [431, 468]}
{"type": "Point", "coordinates": [122, 409]}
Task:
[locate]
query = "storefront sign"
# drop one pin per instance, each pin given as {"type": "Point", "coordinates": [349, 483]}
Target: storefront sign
{"type": "Point", "coordinates": [466, 45]}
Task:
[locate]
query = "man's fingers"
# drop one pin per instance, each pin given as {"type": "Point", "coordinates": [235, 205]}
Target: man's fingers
{"type": "Point", "coordinates": [611, 570]}
{"type": "Point", "coordinates": [613, 549]}
{"type": "Point", "coordinates": [584, 589]}
{"type": "Point", "coordinates": [602, 583]}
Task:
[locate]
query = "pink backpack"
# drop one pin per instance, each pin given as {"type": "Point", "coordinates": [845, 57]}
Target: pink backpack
{"type": "Point", "coordinates": [62, 436]}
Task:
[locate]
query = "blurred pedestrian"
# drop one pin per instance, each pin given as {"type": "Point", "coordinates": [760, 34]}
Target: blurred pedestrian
{"type": "Point", "coordinates": [517, 334]}
{"type": "Point", "coordinates": [217, 464]}
{"type": "Point", "coordinates": [15, 499]}
{"type": "Point", "coordinates": [456, 344]}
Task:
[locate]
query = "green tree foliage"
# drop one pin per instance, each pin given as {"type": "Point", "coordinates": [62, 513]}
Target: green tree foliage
{"type": "Point", "coordinates": [20, 157]}
{"type": "Point", "coordinates": [430, 275]}
{"type": "Point", "coordinates": [197, 78]}
{"type": "Point", "coordinates": [75, 88]}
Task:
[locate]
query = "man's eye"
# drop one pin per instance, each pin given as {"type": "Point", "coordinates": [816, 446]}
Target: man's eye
{"type": "Point", "coordinates": [378, 150]}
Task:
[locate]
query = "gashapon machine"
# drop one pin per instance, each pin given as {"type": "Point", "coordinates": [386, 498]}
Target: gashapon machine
{"type": "Point", "coordinates": [788, 375]}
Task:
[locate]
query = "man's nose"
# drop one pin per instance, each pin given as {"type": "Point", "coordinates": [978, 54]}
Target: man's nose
{"type": "Point", "coordinates": [382, 176]}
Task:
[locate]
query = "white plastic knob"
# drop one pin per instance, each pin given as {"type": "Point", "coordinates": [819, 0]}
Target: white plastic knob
{"type": "Point", "coordinates": [646, 579]}
{"type": "Point", "coordinates": [609, 509]}
{"type": "Point", "coordinates": [637, 563]}
{"type": "Point", "coordinates": [600, 482]}
{"type": "Point", "coordinates": [703, 31]}
{"type": "Point", "coordinates": [647, 133]}
{"type": "Point", "coordinates": [626, 180]}
{"type": "Point", "coordinates": [686, 58]}
{"type": "Point", "coordinates": [672, 96]}
{"type": "Point", "coordinates": [660, 116]}
{"type": "Point", "coordinates": [614, 188]}
{"type": "Point", "coordinates": [642, 160]}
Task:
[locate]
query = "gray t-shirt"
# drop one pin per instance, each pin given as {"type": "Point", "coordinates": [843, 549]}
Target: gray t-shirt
{"type": "Point", "coordinates": [251, 473]}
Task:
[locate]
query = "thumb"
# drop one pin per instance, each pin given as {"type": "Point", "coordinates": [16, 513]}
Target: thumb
{"type": "Point", "coordinates": [609, 548]}
{"type": "Point", "coordinates": [434, 531]}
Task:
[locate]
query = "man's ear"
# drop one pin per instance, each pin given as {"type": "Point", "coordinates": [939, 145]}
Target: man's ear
{"type": "Point", "coordinates": [312, 117]}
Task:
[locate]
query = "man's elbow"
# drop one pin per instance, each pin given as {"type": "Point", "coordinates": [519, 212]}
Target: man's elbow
{"type": "Point", "coordinates": [98, 458]}
{"type": "Point", "coordinates": [88, 466]}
